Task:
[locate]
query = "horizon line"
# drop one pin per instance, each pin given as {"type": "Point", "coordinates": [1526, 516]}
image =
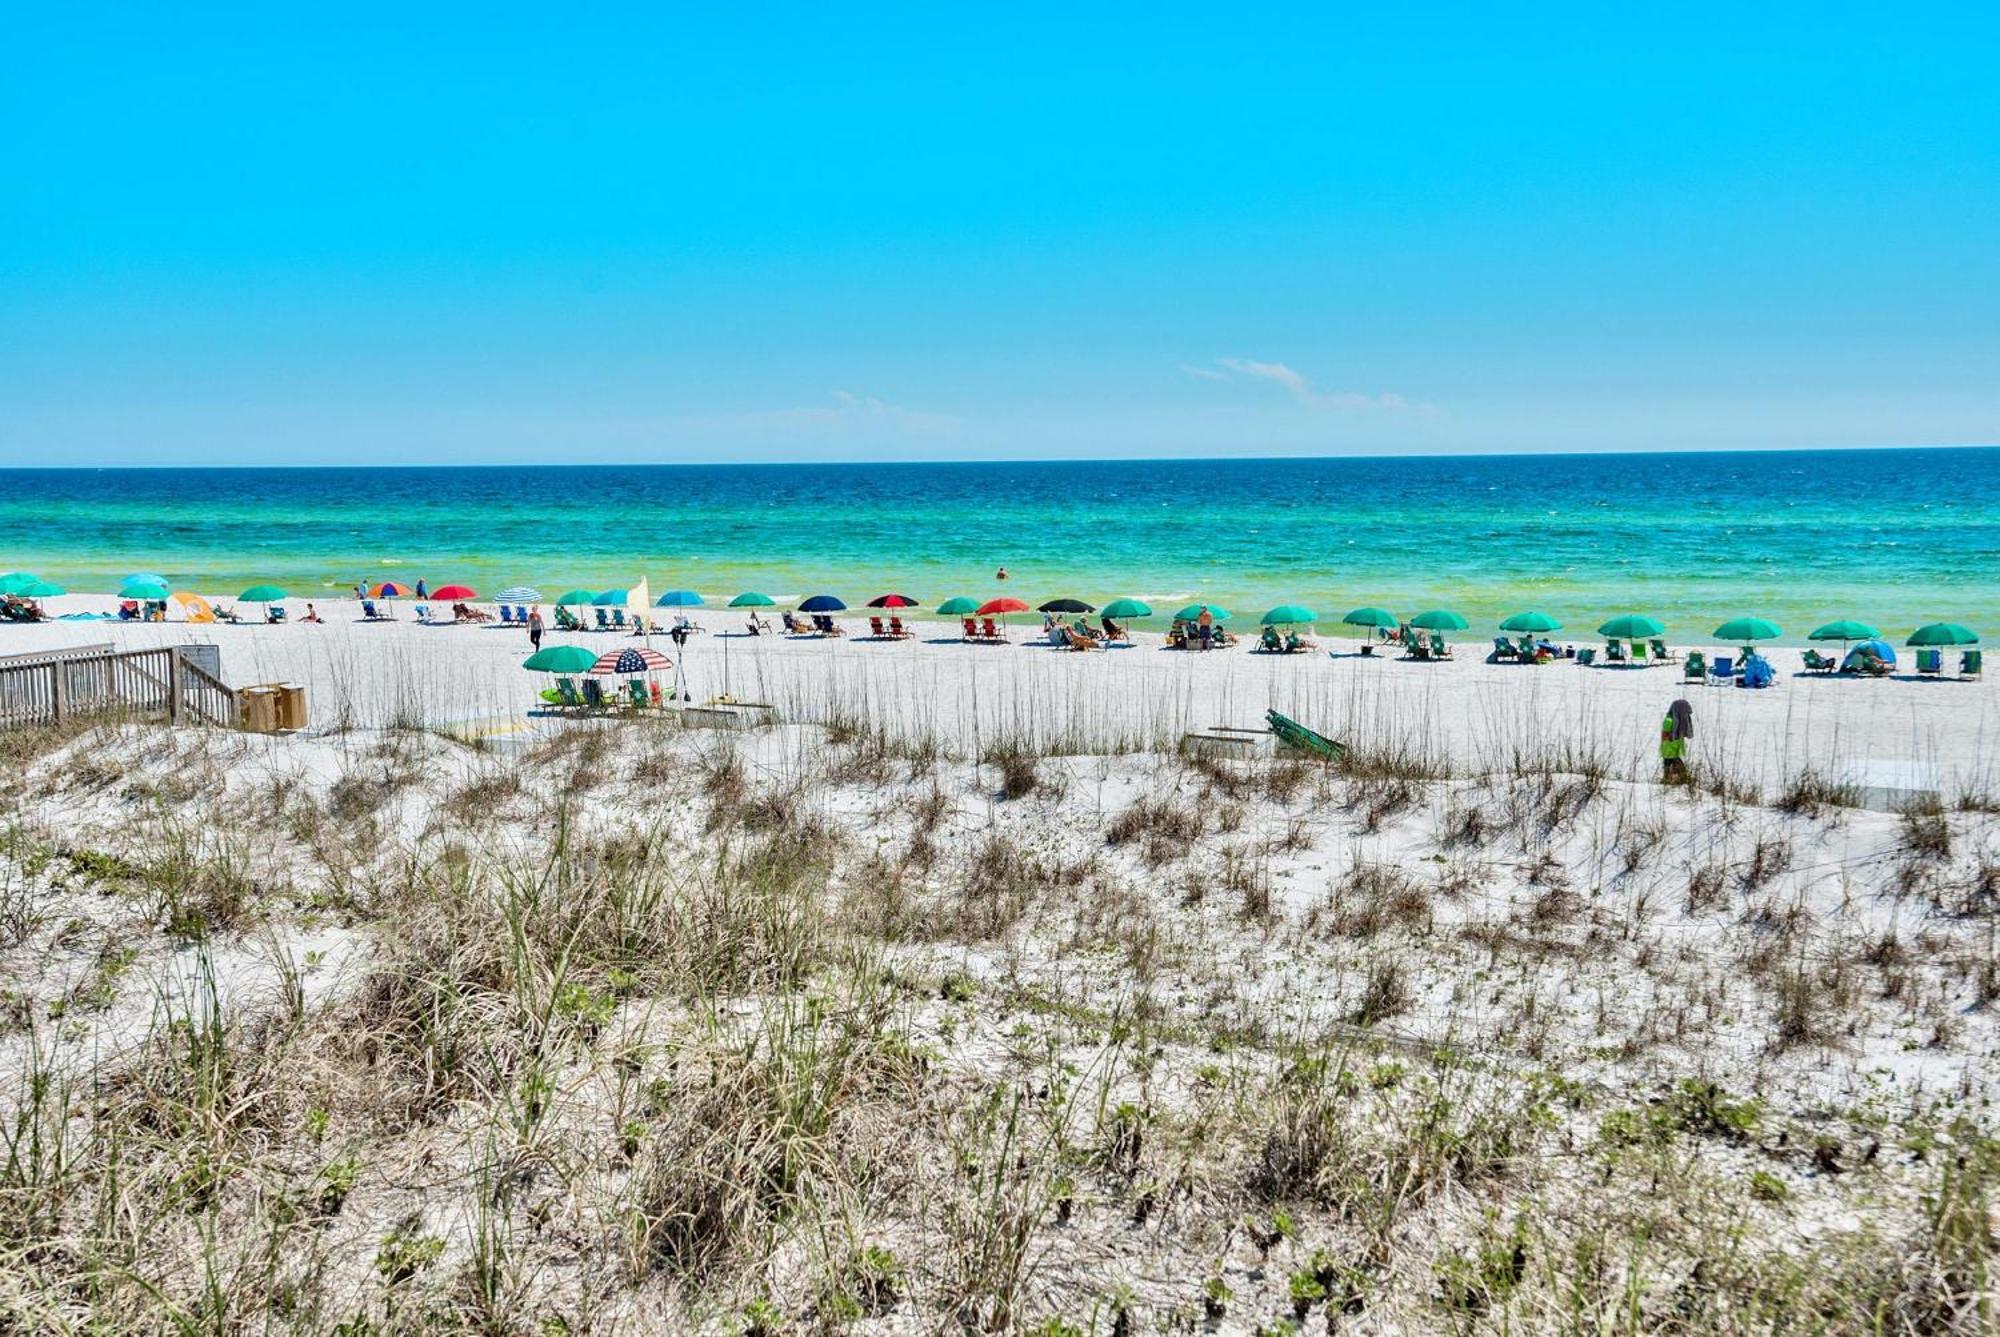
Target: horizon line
{"type": "Point", "coordinates": [978, 460]}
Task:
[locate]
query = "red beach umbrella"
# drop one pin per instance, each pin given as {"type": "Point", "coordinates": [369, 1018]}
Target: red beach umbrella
{"type": "Point", "coordinates": [993, 606]}
{"type": "Point", "coordinates": [455, 594]}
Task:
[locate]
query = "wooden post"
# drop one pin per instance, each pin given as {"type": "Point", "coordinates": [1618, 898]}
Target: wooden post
{"type": "Point", "coordinates": [174, 686]}
{"type": "Point", "coordinates": [58, 691]}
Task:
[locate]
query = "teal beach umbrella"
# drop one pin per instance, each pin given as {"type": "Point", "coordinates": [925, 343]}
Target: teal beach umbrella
{"type": "Point", "coordinates": [136, 588]}
{"type": "Point", "coordinates": [610, 599]}
{"type": "Point", "coordinates": [1943, 633]}
{"type": "Point", "coordinates": [959, 607]}
{"type": "Point", "coordinates": [37, 588]}
{"type": "Point", "coordinates": [1845, 630]}
{"type": "Point", "coordinates": [752, 599]}
{"type": "Point", "coordinates": [1193, 612]}
{"type": "Point", "coordinates": [559, 659]}
{"type": "Point", "coordinates": [1631, 627]}
{"type": "Point", "coordinates": [1439, 619]}
{"type": "Point", "coordinates": [1127, 608]}
{"type": "Point", "coordinates": [1380, 618]}
{"type": "Point", "coordinates": [1289, 614]}
{"type": "Point", "coordinates": [678, 599]}
{"type": "Point", "coordinates": [1747, 629]}
{"type": "Point", "coordinates": [576, 598]}
{"type": "Point", "coordinates": [1531, 622]}
{"type": "Point", "coordinates": [261, 594]}
{"type": "Point", "coordinates": [15, 581]}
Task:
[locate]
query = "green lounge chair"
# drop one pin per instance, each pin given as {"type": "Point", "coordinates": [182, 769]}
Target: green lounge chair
{"type": "Point", "coordinates": [1930, 663]}
{"type": "Point", "coordinates": [1968, 664]}
{"type": "Point", "coordinates": [1438, 648]}
{"type": "Point", "coordinates": [1662, 653]}
{"type": "Point", "coordinates": [1639, 659]}
{"type": "Point", "coordinates": [1270, 643]}
{"type": "Point", "coordinates": [1819, 663]}
{"type": "Point", "coordinates": [635, 691]}
{"type": "Point", "coordinates": [1696, 667]}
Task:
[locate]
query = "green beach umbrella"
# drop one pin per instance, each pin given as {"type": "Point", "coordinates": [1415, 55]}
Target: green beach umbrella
{"type": "Point", "coordinates": [1844, 630]}
{"type": "Point", "coordinates": [1193, 612]}
{"type": "Point", "coordinates": [142, 589]}
{"type": "Point", "coordinates": [576, 598]}
{"type": "Point", "coordinates": [560, 659]}
{"type": "Point", "coordinates": [261, 594]}
{"type": "Point", "coordinates": [752, 599]}
{"type": "Point", "coordinates": [1439, 619]}
{"type": "Point", "coordinates": [1531, 622]}
{"type": "Point", "coordinates": [1748, 629]}
{"type": "Point", "coordinates": [1632, 627]}
{"type": "Point", "coordinates": [1285, 614]}
{"type": "Point", "coordinates": [1943, 633]}
{"type": "Point", "coordinates": [959, 607]}
{"type": "Point", "coordinates": [1370, 617]}
{"type": "Point", "coordinates": [1127, 608]}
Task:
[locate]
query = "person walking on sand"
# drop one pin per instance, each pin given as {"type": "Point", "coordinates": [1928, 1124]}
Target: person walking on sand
{"type": "Point", "coordinates": [1675, 731]}
{"type": "Point", "coordinates": [535, 627]}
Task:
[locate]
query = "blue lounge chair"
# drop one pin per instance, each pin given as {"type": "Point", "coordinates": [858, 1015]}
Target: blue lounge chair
{"type": "Point", "coordinates": [603, 620]}
{"type": "Point", "coordinates": [507, 614]}
{"type": "Point", "coordinates": [618, 618]}
{"type": "Point", "coordinates": [1725, 667]}
{"type": "Point", "coordinates": [1504, 649]}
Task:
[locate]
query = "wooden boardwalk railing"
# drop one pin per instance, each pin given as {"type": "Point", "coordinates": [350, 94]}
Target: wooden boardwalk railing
{"type": "Point", "coordinates": [57, 685]}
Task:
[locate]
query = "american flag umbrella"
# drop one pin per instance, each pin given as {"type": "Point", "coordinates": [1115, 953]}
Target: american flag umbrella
{"type": "Point", "coordinates": [632, 659]}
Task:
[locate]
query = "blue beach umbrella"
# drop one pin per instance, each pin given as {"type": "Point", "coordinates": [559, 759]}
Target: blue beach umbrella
{"type": "Point", "coordinates": [1881, 649]}
{"type": "Point", "coordinates": [822, 603]}
{"type": "Point", "coordinates": [610, 599]}
{"type": "Point", "coordinates": [136, 588]}
{"type": "Point", "coordinates": [678, 599]}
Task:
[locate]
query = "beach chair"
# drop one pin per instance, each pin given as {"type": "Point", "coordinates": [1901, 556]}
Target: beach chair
{"type": "Point", "coordinates": [567, 621]}
{"type": "Point", "coordinates": [1503, 650]}
{"type": "Point", "coordinates": [1614, 652]}
{"type": "Point", "coordinates": [1076, 640]}
{"type": "Point", "coordinates": [1724, 667]}
{"type": "Point", "coordinates": [990, 631]}
{"type": "Point", "coordinates": [1696, 668]}
{"type": "Point", "coordinates": [1586, 656]}
{"type": "Point", "coordinates": [971, 629]}
{"type": "Point", "coordinates": [877, 630]}
{"type": "Point", "coordinates": [603, 620]}
{"type": "Point", "coordinates": [567, 695]}
{"type": "Point", "coordinates": [1296, 736]}
{"type": "Point", "coordinates": [507, 614]}
{"type": "Point", "coordinates": [897, 632]}
{"type": "Point", "coordinates": [1819, 663]}
{"type": "Point", "coordinates": [1968, 664]}
{"type": "Point", "coordinates": [1439, 650]}
{"type": "Point", "coordinates": [1639, 654]}
{"type": "Point", "coordinates": [618, 618]}
{"type": "Point", "coordinates": [1113, 633]}
{"type": "Point", "coordinates": [1930, 663]}
{"type": "Point", "coordinates": [1177, 636]}
{"type": "Point", "coordinates": [635, 692]}
{"type": "Point", "coordinates": [1662, 653]}
{"type": "Point", "coordinates": [593, 693]}
{"type": "Point", "coordinates": [275, 614]}
{"type": "Point", "coordinates": [1270, 642]}
{"type": "Point", "coordinates": [827, 626]}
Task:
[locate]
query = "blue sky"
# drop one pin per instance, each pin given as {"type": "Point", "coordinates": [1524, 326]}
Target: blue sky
{"type": "Point", "coordinates": [491, 234]}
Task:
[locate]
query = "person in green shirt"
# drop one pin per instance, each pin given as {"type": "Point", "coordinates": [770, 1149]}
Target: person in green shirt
{"type": "Point", "coordinates": [1675, 731]}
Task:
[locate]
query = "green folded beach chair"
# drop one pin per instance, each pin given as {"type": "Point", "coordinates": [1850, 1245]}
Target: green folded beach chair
{"type": "Point", "coordinates": [1295, 735]}
{"type": "Point", "coordinates": [1696, 667]}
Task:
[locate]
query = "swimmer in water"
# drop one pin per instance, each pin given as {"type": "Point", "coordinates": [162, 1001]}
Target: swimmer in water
{"type": "Point", "coordinates": [1001, 574]}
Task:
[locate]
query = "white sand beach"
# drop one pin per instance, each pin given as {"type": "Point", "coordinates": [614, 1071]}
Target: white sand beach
{"type": "Point", "coordinates": [1464, 715]}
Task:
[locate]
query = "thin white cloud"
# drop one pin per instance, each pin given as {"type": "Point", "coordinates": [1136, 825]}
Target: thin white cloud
{"type": "Point", "coordinates": [1295, 384]}
{"type": "Point", "coordinates": [848, 413]}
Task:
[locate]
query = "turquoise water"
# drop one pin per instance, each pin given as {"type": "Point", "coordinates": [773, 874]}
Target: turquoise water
{"type": "Point", "coordinates": [1893, 537]}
